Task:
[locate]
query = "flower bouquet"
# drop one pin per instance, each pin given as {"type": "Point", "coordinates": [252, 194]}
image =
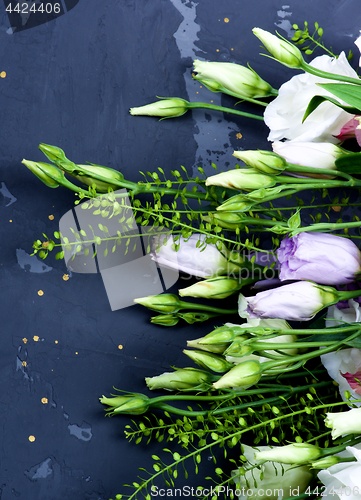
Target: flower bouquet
{"type": "Point", "coordinates": [271, 394]}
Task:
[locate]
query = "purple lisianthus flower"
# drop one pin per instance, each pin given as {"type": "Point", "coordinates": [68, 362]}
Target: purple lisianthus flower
{"type": "Point", "coordinates": [299, 301]}
{"type": "Point", "coordinates": [324, 258]}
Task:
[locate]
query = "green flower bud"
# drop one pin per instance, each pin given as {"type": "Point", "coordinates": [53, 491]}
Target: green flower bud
{"type": "Point", "coordinates": [209, 361]}
{"type": "Point", "coordinates": [295, 453]}
{"type": "Point", "coordinates": [103, 178]}
{"type": "Point", "coordinates": [166, 107]}
{"type": "Point", "coordinates": [216, 348]}
{"type": "Point", "coordinates": [164, 303]}
{"type": "Point", "coordinates": [232, 79]}
{"type": "Point", "coordinates": [228, 220]}
{"type": "Point", "coordinates": [241, 178]}
{"type": "Point", "coordinates": [221, 335]}
{"type": "Point", "coordinates": [50, 175]}
{"type": "Point", "coordinates": [281, 49]}
{"type": "Point", "coordinates": [326, 462]}
{"type": "Point", "coordinates": [165, 320]}
{"type": "Point", "coordinates": [219, 287]}
{"type": "Point", "coordinates": [263, 161]}
{"type": "Point", "coordinates": [182, 379]}
{"type": "Point", "coordinates": [131, 404]}
{"type": "Point", "coordinates": [238, 348]}
{"type": "Point", "coordinates": [242, 376]}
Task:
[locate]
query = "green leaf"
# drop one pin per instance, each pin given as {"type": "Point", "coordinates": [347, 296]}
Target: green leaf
{"type": "Point", "coordinates": [349, 93]}
{"type": "Point", "coordinates": [319, 99]}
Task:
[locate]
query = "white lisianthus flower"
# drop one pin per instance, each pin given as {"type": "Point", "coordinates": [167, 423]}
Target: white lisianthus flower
{"type": "Point", "coordinates": [342, 481]}
{"type": "Point", "coordinates": [195, 257]}
{"type": "Point", "coordinates": [320, 155]}
{"type": "Point", "coordinates": [284, 114]}
{"type": "Point", "coordinates": [344, 423]}
{"type": "Point", "coordinates": [358, 45]}
{"type": "Point", "coordinates": [345, 360]}
{"type": "Point", "coordinates": [270, 480]}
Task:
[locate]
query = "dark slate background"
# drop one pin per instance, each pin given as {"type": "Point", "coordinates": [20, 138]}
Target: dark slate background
{"type": "Point", "coordinates": [70, 82]}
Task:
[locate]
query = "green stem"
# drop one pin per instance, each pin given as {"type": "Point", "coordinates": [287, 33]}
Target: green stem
{"type": "Point", "coordinates": [272, 365]}
{"type": "Point", "coordinates": [215, 107]}
{"type": "Point", "coordinates": [191, 306]}
{"type": "Point", "coordinates": [325, 226]}
{"type": "Point", "coordinates": [329, 76]}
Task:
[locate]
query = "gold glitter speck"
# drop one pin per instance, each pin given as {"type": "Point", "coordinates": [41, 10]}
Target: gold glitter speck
{"type": "Point", "coordinates": [239, 135]}
{"type": "Point", "coordinates": [56, 341]}
{"type": "Point", "coordinates": [31, 438]}
{"type": "Point", "coordinates": [65, 277]}
{"type": "Point", "coordinates": [24, 363]}
{"type": "Point", "coordinates": [36, 338]}
{"type": "Point", "coordinates": [40, 293]}
{"type": "Point", "coordinates": [25, 340]}
{"type": "Point", "coordinates": [336, 208]}
{"type": "Point", "coordinates": [51, 217]}
{"type": "Point", "coordinates": [44, 401]}
{"type": "Point", "coordinates": [226, 19]}
{"type": "Point", "coordinates": [3, 74]}
{"type": "Point", "coordinates": [120, 347]}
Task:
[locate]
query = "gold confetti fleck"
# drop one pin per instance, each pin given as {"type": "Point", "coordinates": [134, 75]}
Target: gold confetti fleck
{"type": "Point", "coordinates": [217, 50]}
{"type": "Point", "coordinates": [10, 220]}
{"type": "Point", "coordinates": [51, 217]}
{"type": "Point", "coordinates": [56, 341]}
{"type": "Point", "coordinates": [226, 19]}
{"type": "Point", "coordinates": [25, 340]}
{"type": "Point", "coordinates": [336, 208]}
{"type": "Point", "coordinates": [66, 277]}
{"type": "Point", "coordinates": [239, 135]}
{"type": "Point", "coordinates": [31, 438]}
{"type": "Point", "coordinates": [76, 352]}
{"type": "Point", "coordinates": [24, 363]}
{"type": "Point", "coordinates": [40, 293]}
{"type": "Point", "coordinates": [120, 347]}
{"type": "Point", "coordinates": [232, 48]}
{"type": "Point", "coordinates": [44, 401]}
{"type": "Point", "coordinates": [3, 74]}
{"type": "Point", "coordinates": [36, 338]}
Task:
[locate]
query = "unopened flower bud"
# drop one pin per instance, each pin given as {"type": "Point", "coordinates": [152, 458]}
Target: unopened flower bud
{"type": "Point", "coordinates": [49, 174]}
{"type": "Point", "coordinates": [241, 376]}
{"type": "Point", "coordinates": [165, 320]}
{"type": "Point", "coordinates": [216, 348]}
{"type": "Point", "coordinates": [281, 49]}
{"type": "Point", "coordinates": [219, 287]}
{"type": "Point", "coordinates": [209, 361]}
{"type": "Point", "coordinates": [167, 107]}
{"type": "Point", "coordinates": [241, 178]}
{"type": "Point", "coordinates": [182, 379]}
{"type": "Point", "coordinates": [326, 462]}
{"type": "Point", "coordinates": [233, 79]}
{"type": "Point", "coordinates": [263, 161]}
{"type": "Point", "coordinates": [294, 453]}
{"type": "Point", "coordinates": [131, 404]}
{"type": "Point", "coordinates": [221, 335]}
{"type": "Point", "coordinates": [164, 303]}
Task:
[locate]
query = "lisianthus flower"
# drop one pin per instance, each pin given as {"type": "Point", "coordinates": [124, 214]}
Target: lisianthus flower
{"type": "Point", "coordinates": [264, 478]}
{"type": "Point", "coordinates": [325, 258]}
{"type": "Point", "coordinates": [194, 256]}
{"type": "Point", "coordinates": [299, 301]}
{"type": "Point", "coordinates": [351, 129]}
{"type": "Point", "coordinates": [343, 479]}
{"type": "Point", "coordinates": [284, 115]}
{"type": "Point", "coordinates": [344, 422]}
{"type": "Point", "coordinates": [344, 361]}
{"type": "Point", "coordinates": [320, 155]}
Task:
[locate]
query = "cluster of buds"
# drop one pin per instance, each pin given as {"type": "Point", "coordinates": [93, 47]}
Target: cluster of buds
{"type": "Point", "coordinates": [103, 179]}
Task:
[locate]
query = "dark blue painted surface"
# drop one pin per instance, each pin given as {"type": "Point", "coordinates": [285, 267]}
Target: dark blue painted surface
{"type": "Point", "coordinates": [70, 82]}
